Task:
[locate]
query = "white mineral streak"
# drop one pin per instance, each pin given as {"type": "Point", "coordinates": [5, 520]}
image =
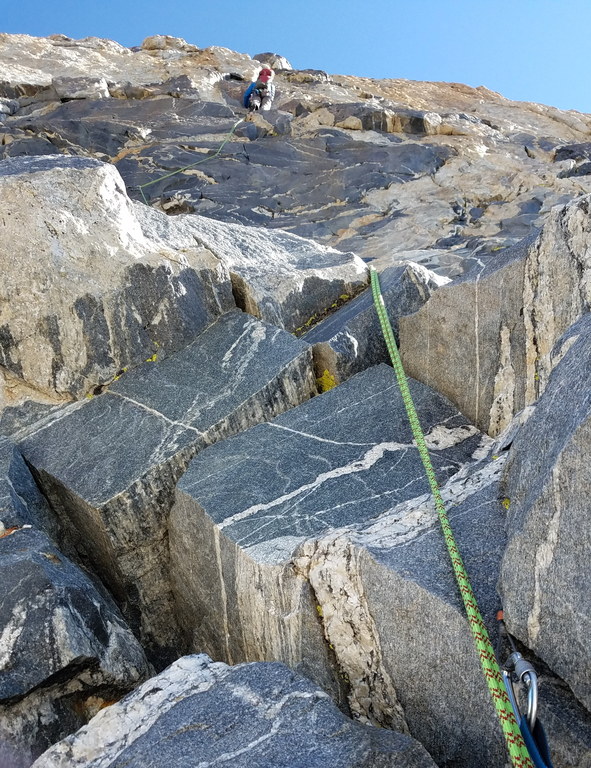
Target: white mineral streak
{"type": "Point", "coordinates": [543, 559]}
{"type": "Point", "coordinates": [371, 457]}
{"type": "Point", "coordinates": [503, 405]}
{"type": "Point", "coordinates": [412, 518]}
{"type": "Point", "coordinates": [13, 630]}
{"type": "Point", "coordinates": [441, 436]}
{"type": "Point", "coordinates": [114, 728]}
{"type": "Point", "coordinates": [332, 567]}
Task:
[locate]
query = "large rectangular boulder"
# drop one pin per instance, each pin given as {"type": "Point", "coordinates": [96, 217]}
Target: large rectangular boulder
{"type": "Point", "coordinates": [277, 276]}
{"type": "Point", "coordinates": [350, 339]}
{"type": "Point", "coordinates": [109, 465]}
{"type": "Point", "coordinates": [105, 297]}
{"type": "Point", "coordinates": [311, 539]}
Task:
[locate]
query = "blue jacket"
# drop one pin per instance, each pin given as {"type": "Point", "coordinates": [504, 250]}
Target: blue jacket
{"type": "Point", "coordinates": [247, 93]}
{"type": "Point", "coordinates": [250, 89]}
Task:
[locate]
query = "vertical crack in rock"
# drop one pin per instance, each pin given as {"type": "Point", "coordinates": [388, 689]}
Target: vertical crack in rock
{"type": "Point", "coordinates": [477, 351]}
{"type": "Point", "coordinates": [503, 405]}
{"type": "Point", "coordinates": [332, 567]}
{"type": "Point", "coordinates": [557, 290]}
{"type": "Point", "coordinates": [530, 302]}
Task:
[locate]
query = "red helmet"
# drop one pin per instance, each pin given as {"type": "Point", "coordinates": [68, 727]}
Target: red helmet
{"type": "Point", "coordinates": [265, 74]}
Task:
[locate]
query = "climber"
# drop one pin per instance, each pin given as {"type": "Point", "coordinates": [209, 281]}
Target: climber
{"type": "Point", "coordinates": [261, 92]}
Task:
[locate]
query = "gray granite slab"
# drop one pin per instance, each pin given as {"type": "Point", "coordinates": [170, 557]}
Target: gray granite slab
{"type": "Point", "coordinates": [216, 375]}
{"type": "Point", "coordinates": [109, 465]}
{"type": "Point", "coordinates": [101, 446]}
{"type": "Point", "coordinates": [249, 511]}
{"type": "Point", "coordinates": [546, 581]}
{"type": "Point", "coordinates": [202, 713]}
{"type": "Point", "coordinates": [339, 459]}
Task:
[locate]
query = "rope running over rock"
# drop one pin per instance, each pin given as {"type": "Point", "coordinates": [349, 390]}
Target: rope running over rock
{"type": "Point", "coordinates": [518, 751]}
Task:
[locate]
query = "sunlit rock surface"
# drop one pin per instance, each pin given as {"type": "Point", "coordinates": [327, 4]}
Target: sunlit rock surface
{"type": "Point", "coordinates": [140, 207]}
{"type": "Point", "coordinates": [485, 340]}
{"type": "Point", "coordinates": [283, 566]}
{"type": "Point", "coordinates": [350, 339]}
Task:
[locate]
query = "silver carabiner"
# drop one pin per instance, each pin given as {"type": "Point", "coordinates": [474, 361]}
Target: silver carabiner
{"type": "Point", "coordinates": [518, 670]}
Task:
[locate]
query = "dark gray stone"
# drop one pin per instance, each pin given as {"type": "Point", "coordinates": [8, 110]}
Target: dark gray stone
{"type": "Point", "coordinates": [397, 120]}
{"type": "Point", "coordinates": [109, 465]}
{"type": "Point", "coordinates": [21, 501]}
{"type": "Point", "coordinates": [331, 462]}
{"type": "Point", "coordinates": [580, 151]}
{"type": "Point", "coordinates": [351, 339]}
{"type": "Point", "coordinates": [54, 621]}
{"type": "Point", "coordinates": [250, 716]}
{"type": "Point", "coordinates": [106, 125]}
{"type": "Point", "coordinates": [337, 463]}
{"type": "Point", "coordinates": [584, 169]}
{"type": "Point", "coordinates": [426, 643]}
{"type": "Point", "coordinates": [545, 576]}
{"type": "Point", "coordinates": [62, 643]}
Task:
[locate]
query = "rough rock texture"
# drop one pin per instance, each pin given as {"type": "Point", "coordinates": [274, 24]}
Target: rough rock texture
{"type": "Point", "coordinates": [109, 465]}
{"type": "Point", "coordinates": [468, 342]}
{"type": "Point", "coordinates": [485, 340]}
{"type": "Point", "coordinates": [200, 713]}
{"type": "Point", "coordinates": [116, 283]}
{"type": "Point", "coordinates": [307, 539]}
{"type": "Point", "coordinates": [545, 578]}
{"type": "Point", "coordinates": [104, 296]}
{"type": "Point", "coordinates": [380, 167]}
{"type": "Point", "coordinates": [351, 339]}
{"type": "Point", "coordinates": [160, 58]}
{"type": "Point", "coordinates": [281, 278]}
{"type": "Point", "coordinates": [303, 487]}
{"type": "Point", "coordinates": [64, 647]}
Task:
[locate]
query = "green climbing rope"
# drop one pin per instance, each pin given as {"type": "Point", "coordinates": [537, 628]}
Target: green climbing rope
{"type": "Point", "coordinates": [226, 139]}
{"type": "Point", "coordinates": [515, 743]}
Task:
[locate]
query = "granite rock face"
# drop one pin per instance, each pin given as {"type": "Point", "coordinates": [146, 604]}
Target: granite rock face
{"type": "Point", "coordinates": [117, 283]}
{"type": "Point", "coordinates": [65, 649]}
{"type": "Point", "coordinates": [351, 339]}
{"type": "Point", "coordinates": [328, 516]}
{"type": "Point", "coordinates": [105, 297]}
{"type": "Point", "coordinates": [279, 277]}
{"type": "Point", "coordinates": [545, 576]}
{"type": "Point", "coordinates": [309, 538]}
{"type": "Point", "coordinates": [468, 342]}
{"type": "Point", "coordinates": [485, 340]}
{"type": "Point", "coordinates": [258, 715]}
{"type": "Point", "coordinates": [109, 465]}
{"type": "Point", "coordinates": [377, 167]}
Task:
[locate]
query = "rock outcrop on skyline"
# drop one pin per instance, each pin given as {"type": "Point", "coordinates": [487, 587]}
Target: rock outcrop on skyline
{"type": "Point", "coordinates": [203, 449]}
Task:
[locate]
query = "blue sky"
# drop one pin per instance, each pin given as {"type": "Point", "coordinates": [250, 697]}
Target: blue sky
{"type": "Point", "coordinates": [530, 50]}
